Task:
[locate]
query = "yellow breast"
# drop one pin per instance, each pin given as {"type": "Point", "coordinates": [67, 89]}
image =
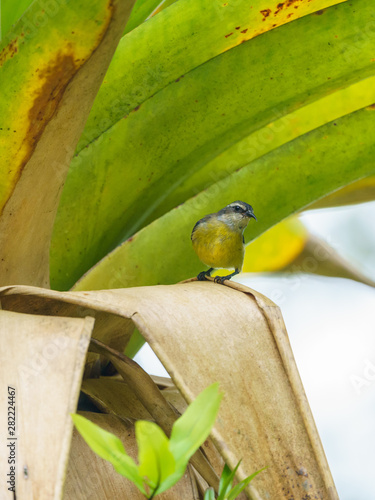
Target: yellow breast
{"type": "Point", "coordinates": [218, 246]}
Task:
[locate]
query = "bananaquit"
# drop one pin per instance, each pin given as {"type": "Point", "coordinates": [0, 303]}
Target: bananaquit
{"type": "Point", "coordinates": [218, 239]}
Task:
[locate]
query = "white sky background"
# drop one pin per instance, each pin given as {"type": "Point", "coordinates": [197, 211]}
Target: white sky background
{"type": "Point", "coordinates": [331, 326]}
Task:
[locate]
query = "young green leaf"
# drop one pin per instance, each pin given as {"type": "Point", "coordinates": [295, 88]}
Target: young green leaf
{"type": "Point", "coordinates": [194, 426]}
{"type": "Point", "coordinates": [162, 461]}
{"type": "Point", "coordinates": [171, 480]}
{"type": "Point", "coordinates": [156, 462]}
{"type": "Point", "coordinates": [108, 446]}
{"type": "Point", "coordinates": [190, 430]}
{"type": "Point", "coordinates": [209, 494]}
{"type": "Point", "coordinates": [226, 481]}
{"type": "Point", "coordinates": [242, 485]}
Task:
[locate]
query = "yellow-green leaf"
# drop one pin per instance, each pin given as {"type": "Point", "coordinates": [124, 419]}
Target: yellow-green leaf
{"type": "Point", "coordinates": [108, 446]}
{"type": "Point", "coordinates": [204, 127]}
{"type": "Point", "coordinates": [156, 462]}
{"type": "Point", "coordinates": [179, 39]}
{"type": "Point", "coordinates": [51, 66]}
{"type": "Point", "coordinates": [277, 247]}
{"type": "Point", "coordinates": [277, 185]}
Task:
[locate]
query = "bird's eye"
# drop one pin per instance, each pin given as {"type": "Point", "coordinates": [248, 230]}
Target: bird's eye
{"type": "Point", "coordinates": [237, 208]}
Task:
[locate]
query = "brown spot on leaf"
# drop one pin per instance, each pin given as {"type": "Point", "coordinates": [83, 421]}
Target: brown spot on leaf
{"type": "Point", "coordinates": [319, 12]}
{"type": "Point", "coordinates": [265, 13]}
{"type": "Point", "coordinates": [238, 27]}
{"type": "Point", "coordinates": [244, 31]}
{"type": "Point", "coordinates": [371, 107]}
{"type": "Point", "coordinates": [56, 76]}
{"type": "Point", "coordinates": [137, 108]}
{"type": "Point", "coordinates": [285, 5]}
{"type": "Point", "coordinates": [9, 51]}
{"type": "Point", "coordinates": [229, 34]}
{"type": "Point", "coordinates": [279, 7]}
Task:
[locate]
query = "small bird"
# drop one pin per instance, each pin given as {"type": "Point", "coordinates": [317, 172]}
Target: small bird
{"type": "Point", "coordinates": [218, 239]}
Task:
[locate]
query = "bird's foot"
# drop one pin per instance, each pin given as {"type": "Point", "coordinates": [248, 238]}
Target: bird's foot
{"type": "Point", "coordinates": [221, 279]}
{"type": "Point", "coordinates": [202, 276]}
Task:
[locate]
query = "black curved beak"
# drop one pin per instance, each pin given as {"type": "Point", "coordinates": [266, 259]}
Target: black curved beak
{"type": "Point", "coordinates": [249, 213]}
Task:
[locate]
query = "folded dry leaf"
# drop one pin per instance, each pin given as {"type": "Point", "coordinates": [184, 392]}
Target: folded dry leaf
{"type": "Point", "coordinates": [42, 359]}
{"type": "Point", "coordinates": [202, 333]}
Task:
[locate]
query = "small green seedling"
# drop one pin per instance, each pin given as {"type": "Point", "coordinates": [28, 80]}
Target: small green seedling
{"type": "Point", "coordinates": [226, 492]}
{"type": "Point", "coordinates": [162, 461]}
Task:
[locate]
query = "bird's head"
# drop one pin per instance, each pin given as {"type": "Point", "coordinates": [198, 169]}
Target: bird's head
{"type": "Point", "coordinates": [237, 215]}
